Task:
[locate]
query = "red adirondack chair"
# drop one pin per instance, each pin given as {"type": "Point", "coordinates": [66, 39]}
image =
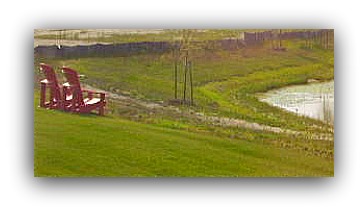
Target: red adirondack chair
{"type": "Point", "coordinates": [79, 104]}
{"type": "Point", "coordinates": [55, 100]}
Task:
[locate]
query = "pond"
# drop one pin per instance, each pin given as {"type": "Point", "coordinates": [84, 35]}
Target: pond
{"type": "Point", "coordinates": [314, 100]}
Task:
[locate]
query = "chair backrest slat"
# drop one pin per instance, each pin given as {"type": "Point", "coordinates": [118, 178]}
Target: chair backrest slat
{"type": "Point", "coordinates": [73, 80]}
{"type": "Point", "coordinates": [49, 73]}
{"type": "Point", "coordinates": [51, 77]}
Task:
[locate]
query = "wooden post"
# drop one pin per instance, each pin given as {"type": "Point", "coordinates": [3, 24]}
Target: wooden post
{"type": "Point", "coordinates": [185, 80]}
{"type": "Point", "coordinates": [280, 38]}
{"type": "Point", "coordinates": [190, 69]}
{"type": "Point", "coordinates": [175, 72]}
{"type": "Point", "coordinates": [306, 39]}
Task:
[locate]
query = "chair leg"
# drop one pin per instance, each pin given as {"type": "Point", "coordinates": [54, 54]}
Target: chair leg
{"type": "Point", "coordinates": [64, 98]}
{"type": "Point", "coordinates": [52, 99]}
{"type": "Point", "coordinates": [101, 110]}
{"type": "Point", "coordinates": [42, 94]}
{"type": "Point", "coordinates": [102, 107]}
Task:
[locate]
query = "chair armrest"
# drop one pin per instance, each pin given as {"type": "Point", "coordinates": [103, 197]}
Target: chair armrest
{"type": "Point", "coordinates": [91, 91]}
{"type": "Point", "coordinates": [45, 81]}
{"type": "Point", "coordinates": [66, 84]}
{"type": "Point", "coordinates": [90, 94]}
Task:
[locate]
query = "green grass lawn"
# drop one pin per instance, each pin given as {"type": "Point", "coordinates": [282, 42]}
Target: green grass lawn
{"type": "Point", "coordinates": [161, 144]}
{"type": "Point", "coordinates": [88, 145]}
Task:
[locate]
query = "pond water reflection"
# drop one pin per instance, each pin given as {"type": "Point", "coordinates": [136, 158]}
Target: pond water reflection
{"type": "Point", "coordinates": [315, 100]}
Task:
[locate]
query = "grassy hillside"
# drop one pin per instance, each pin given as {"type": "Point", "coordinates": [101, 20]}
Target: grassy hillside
{"type": "Point", "coordinates": [89, 145]}
{"type": "Point", "coordinates": [225, 81]}
{"type": "Point", "coordinates": [133, 140]}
